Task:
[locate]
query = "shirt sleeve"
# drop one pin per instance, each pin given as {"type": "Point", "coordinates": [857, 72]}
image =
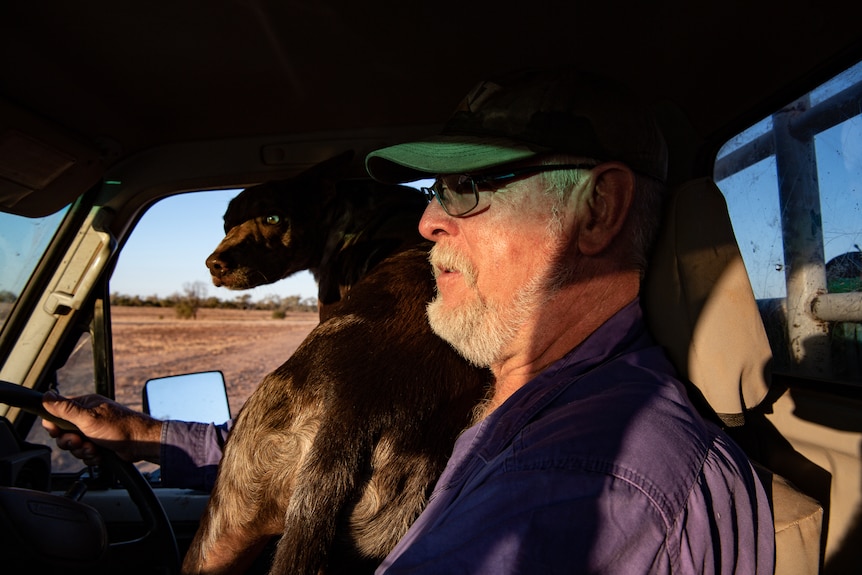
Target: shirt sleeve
{"type": "Point", "coordinates": [191, 452]}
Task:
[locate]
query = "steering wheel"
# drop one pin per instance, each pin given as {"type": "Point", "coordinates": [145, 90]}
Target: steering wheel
{"type": "Point", "coordinates": [159, 541]}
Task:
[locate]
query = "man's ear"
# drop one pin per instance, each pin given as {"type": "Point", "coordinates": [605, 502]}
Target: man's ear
{"type": "Point", "coordinates": [605, 209]}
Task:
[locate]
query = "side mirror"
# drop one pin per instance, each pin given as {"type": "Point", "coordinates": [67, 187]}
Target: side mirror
{"type": "Point", "coordinates": [190, 397]}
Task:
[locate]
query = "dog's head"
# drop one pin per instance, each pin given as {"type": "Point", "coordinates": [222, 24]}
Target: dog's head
{"type": "Point", "coordinates": [276, 229]}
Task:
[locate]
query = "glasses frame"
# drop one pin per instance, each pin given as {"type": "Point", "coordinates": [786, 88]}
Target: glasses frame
{"type": "Point", "coordinates": [489, 182]}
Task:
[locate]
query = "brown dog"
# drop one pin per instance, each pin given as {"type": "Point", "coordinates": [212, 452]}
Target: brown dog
{"type": "Point", "coordinates": [338, 448]}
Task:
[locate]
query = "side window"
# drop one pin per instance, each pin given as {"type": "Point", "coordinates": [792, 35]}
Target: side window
{"type": "Point", "coordinates": [793, 184]}
{"type": "Point", "coordinates": [168, 319]}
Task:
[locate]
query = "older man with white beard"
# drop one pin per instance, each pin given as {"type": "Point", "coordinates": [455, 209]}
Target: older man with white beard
{"type": "Point", "coordinates": [589, 456]}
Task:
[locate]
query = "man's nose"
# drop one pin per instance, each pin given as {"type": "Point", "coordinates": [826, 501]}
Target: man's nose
{"type": "Point", "coordinates": [435, 221]}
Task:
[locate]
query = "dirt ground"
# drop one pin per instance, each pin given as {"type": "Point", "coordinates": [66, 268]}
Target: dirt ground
{"type": "Point", "coordinates": [244, 345]}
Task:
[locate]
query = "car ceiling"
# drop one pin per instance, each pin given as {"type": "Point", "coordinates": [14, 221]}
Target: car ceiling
{"type": "Point", "coordinates": [122, 77]}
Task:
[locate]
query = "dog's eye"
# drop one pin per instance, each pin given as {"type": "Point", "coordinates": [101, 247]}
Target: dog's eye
{"type": "Point", "coordinates": [273, 219]}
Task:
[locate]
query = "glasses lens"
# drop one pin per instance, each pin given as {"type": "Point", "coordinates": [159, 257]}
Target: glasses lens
{"type": "Point", "coordinates": [456, 193]}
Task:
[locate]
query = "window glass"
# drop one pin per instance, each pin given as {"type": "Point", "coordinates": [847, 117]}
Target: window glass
{"type": "Point", "coordinates": [839, 166]}
{"type": "Point", "coordinates": [22, 243]}
{"type": "Point", "coordinates": [76, 377]}
{"type": "Point", "coordinates": [756, 221]}
{"type": "Point", "coordinates": [168, 319]}
{"type": "Point", "coordinates": [798, 174]}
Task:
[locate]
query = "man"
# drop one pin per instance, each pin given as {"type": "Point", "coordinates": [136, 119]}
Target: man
{"type": "Point", "coordinates": [589, 456]}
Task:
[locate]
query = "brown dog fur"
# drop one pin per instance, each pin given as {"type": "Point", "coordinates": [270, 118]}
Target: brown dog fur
{"type": "Point", "coordinates": [338, 449]}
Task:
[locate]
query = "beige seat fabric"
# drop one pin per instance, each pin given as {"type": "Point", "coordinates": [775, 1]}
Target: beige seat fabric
{"type": "Point", "coordinates": [700, 306]}
{"type": "Point", "coordinates": [798, 522]}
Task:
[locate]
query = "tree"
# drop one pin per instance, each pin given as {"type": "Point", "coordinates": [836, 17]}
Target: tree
{"type": "Point", "coordinates": [243, 301]}
{"type": "Point", "coordinates": [193, 296]}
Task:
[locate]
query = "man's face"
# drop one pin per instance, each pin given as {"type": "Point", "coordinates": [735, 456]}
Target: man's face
{"type": "Point", "coordinates": [493, 268]}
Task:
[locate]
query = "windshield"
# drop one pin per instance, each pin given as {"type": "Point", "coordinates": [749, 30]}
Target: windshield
{"type": "Point", "coordinates": [23, 241]}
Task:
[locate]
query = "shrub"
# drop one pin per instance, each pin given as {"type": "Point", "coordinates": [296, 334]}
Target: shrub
{"type": "Point", "coordinates": [185, 310]}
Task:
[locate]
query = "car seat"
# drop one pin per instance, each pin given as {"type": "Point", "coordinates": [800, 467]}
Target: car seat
{"type": "Point", "coordinates": [700, 306]}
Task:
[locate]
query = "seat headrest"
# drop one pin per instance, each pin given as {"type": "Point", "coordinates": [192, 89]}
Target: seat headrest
{"type": "Point", "coordinates": [700, 306]}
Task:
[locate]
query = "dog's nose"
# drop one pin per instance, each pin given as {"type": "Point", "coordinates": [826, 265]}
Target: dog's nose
{"type": "Point", "coordinates": [217, 266]}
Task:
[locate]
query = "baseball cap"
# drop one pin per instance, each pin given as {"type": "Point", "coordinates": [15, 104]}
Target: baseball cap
{"type": "Point", "coordinates": [527, 114]}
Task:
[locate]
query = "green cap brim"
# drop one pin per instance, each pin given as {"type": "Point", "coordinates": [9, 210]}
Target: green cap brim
{"type": "Point", "coordinates": [443, 155]}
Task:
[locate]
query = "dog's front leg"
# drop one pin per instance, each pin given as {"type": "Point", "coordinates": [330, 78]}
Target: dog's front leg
{"type": "Point", "coordinates": [226, 541]}
{"type": "Point", "coordinates": [234, 553]}
{"type": "Point", "coordinates": [329, 479]}
{"type": "Point", "coordinates": [241, 515]}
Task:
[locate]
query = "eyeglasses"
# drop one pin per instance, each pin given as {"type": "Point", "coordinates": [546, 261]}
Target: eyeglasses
{"type": "Point", "coordinates": [459, 193]}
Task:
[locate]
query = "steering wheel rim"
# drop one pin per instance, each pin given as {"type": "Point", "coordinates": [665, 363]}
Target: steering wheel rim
{"type": "Point", "coordinates": [159, 531]}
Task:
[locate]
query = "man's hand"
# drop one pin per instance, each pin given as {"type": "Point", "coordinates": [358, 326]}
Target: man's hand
{"type": "Point", "coordinates": [134, 436]}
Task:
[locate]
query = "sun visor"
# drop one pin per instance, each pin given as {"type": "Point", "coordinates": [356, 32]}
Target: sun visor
{"type": "Point", "coordinates": [42, 169]}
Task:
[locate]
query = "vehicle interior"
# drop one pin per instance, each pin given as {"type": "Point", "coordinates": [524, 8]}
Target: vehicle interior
{"type": "Point", "coordinates": [106, 108]}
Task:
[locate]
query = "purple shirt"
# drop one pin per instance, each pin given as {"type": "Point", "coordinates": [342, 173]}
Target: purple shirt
{"type": "Point", "coordinates": [191, 452]}
{"type": "Point", "coordinates": [601, 465]}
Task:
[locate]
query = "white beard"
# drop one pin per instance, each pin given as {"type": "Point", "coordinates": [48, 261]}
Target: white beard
{"type": "Point", "coordinates": [481, 330]}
